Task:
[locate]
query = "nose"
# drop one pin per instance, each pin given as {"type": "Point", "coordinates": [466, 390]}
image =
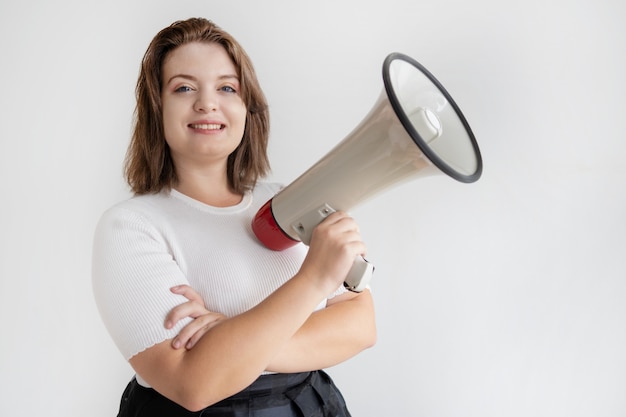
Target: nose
{"type": "Point", "coordinates": [206, 102]}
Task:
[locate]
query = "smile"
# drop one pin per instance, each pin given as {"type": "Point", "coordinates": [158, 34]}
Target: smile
{"type": "Point", "coordinates": [208, 126]}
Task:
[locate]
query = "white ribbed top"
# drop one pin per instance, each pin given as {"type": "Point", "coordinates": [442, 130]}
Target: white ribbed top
{"type": "Point", "coordinates": [148, 244]}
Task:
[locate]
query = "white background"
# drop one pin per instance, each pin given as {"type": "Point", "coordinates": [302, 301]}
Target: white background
{"type": "Point", "coordinates": [506, 297]}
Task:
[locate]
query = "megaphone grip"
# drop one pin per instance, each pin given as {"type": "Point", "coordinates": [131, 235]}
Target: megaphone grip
{"type": "Point", "coordinates": [359, 276]}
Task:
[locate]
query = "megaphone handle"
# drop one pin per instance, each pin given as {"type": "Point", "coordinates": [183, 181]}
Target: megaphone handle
{"type": "Point", "coordinates": [359, 276]}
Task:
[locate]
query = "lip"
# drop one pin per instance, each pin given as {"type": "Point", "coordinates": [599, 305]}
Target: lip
{"type": "Point", "coordinates": [206, 126]}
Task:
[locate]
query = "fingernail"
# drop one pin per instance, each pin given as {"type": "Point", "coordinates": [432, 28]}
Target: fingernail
{"type": "Point", "coordinates": [176, 344]}
{"type": "Point", "coordinates": [168, 324]}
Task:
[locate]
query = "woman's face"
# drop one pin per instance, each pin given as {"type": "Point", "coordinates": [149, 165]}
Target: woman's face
{"type": "Point", "coordinates": [203, 114]}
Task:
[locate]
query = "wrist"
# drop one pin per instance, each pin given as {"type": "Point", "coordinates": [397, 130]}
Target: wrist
{"type": "Point", "coordinates": [316, 284]}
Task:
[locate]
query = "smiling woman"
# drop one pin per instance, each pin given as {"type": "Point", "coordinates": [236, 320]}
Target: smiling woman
{"type": "Point", "coordinates": [203, 113]}
{"type": "Point", "coordinates": [149, 166]}
{"type": "Point", "coordinates": [208, 318]}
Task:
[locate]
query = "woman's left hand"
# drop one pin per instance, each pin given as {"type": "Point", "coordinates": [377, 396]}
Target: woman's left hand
{"type": "Point", "coordinates": [203, 321]}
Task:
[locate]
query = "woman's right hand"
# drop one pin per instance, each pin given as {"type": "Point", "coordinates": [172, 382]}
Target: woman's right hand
{"type": "Point", "coordinates": [203, 319]}
{"type": "Point", "coordinates": [335, 244]}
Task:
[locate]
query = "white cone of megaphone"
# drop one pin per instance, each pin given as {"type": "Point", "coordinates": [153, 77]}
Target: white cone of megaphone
{"type": "Point", "coordinates": [414, 130]}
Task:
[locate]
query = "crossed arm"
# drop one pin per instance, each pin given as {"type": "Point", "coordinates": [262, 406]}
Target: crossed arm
{"type": "Point", "coordinates": [282, 334]}
{"type": "Point", "coordinates": [324, 338]}
{"type": "Point", "coordinates": [328, 337]}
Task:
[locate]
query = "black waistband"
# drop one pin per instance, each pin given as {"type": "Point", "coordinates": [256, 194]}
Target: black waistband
{"type": "Point", "coordinates": [271, 384]}
{"type": "Point", "coordinates": [308, 393]}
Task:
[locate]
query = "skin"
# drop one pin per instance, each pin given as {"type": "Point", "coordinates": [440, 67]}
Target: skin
{"type": "Point", "coordinates": [324, 340]}
{"type": "Point", "coordinates": [282, 334]}
{"type": "Point", "coordinates": [200, 90]}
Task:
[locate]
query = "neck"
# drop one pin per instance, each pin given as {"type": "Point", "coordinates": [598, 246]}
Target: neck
{"type": "Point", "coordinates": [211, 188]}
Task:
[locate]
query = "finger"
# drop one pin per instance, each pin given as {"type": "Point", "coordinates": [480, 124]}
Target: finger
{"type": "Point", "coordinates": [187, 292]}
{"type": "Point", "coordinates": [188, 309]}
{"type": "Point", "coordinates": [195, 337]}
{"type": "Point", "coordinates": [341, 233]}
{"type": "Point", "coordinates": [195, 330]}
{"type": "Point", "coordinates": [188, 331]}
{"type": "Point", "coordinates": [360, 248]}
{"type": "Point", "coordinates": [336, 217]}
{"type": "Point", "coordinates": [342, 221]}
{"type": "Point", "coordinates": [198, 335]}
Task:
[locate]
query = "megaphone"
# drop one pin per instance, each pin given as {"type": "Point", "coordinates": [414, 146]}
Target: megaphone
{"type": "Point", "coordinates": [415, 129]}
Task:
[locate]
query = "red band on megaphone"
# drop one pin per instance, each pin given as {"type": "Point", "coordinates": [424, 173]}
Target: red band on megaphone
{"type": "Point", "coordinates": [268, 231]}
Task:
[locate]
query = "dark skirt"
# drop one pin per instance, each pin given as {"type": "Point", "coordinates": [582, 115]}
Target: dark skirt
{"type": "Point", "coordinates": [307, 394]}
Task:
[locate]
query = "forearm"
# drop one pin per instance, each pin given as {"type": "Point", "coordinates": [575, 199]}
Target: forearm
{"type": "Point", "coordinates": [234, 352]}
{"type": "Point", "coordinates": [329, 336]}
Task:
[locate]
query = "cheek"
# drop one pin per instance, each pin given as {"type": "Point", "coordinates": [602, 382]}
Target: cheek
{"type": "Point", "coordinates": [241, 116]}
{"type": "Point", "coordinates": [169, 118]}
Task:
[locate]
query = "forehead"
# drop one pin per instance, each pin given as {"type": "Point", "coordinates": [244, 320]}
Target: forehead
{"type": "Point", "coordinates": [198, 58]}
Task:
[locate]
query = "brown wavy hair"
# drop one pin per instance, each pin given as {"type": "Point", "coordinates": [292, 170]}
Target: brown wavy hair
{"type": "Point", "coordinates": [148, 165]}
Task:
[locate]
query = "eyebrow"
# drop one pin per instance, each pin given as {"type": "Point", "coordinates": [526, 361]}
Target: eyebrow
{"type": "Point", "coordinates": [192, 78]}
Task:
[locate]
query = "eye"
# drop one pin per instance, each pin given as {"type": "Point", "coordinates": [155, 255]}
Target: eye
{"type": "Point", "coordinates": [183, 89]}
{"type": "Point", "coordinates": [228, 89]}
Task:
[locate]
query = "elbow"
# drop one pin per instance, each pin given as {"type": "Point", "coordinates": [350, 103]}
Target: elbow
{"type": "Point", "coordinates": [194, 398]}
{"type": "Point", "coordinates": [365, 321]}
{"type": "Point", "coordinates": [370, 334]}
{"type": "Point", "coordinates": [370, 338]}
{"type": "Point", "coordinates": [194, 407]}
{"type": "Point", "coordinates": [373, 340]}
{"type": "Point", "coordinates": [367, 334]}
{"type": "Point", "coordinates": [195, 403]}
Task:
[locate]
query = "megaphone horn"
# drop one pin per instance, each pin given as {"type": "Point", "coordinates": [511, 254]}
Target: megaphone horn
{"type": "Point", "coordinates": [415, 129]}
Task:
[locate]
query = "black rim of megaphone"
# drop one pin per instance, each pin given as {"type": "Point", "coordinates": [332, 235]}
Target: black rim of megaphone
{"type": "Point", "coordinates": [397, 107]}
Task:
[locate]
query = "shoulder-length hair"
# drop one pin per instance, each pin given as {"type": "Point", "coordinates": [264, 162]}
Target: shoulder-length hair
{"type": "Point", "coordinates": [148, 165]}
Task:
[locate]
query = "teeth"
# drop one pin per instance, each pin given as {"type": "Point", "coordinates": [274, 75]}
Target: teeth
{"type": "Point", "coordinates": [207, 126]}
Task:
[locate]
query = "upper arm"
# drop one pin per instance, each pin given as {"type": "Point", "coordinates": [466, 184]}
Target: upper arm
{"type": "Point", "coordinates": [132, 272]}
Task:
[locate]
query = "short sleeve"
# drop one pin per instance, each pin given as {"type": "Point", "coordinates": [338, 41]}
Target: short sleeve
{"type": "Point", "coordinates": [133, 269]}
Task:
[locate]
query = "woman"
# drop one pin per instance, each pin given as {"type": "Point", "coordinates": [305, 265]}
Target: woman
{"type": "Point", "coordinates": [212, 322]}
